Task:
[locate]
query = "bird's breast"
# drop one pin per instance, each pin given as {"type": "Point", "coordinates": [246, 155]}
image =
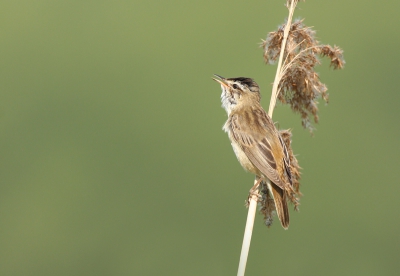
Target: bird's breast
{"type": "Point", "coordinates": [243, 159]}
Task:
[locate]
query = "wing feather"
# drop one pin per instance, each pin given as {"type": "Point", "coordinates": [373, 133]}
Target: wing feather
{"type": "Point", "coordinates": [258, 147]}
{"type": "Point", "coordinates": [286, 160]}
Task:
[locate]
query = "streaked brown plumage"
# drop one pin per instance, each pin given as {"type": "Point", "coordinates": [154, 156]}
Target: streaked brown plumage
{"type": "Point", "coordinates": [256, 141]}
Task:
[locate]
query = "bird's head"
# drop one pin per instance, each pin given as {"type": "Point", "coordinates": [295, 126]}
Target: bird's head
{"type": "Point", "coordinates": [238, 92]}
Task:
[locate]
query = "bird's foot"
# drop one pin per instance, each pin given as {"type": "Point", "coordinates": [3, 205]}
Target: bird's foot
{"type": "Point", "coordinates": [254, 193]}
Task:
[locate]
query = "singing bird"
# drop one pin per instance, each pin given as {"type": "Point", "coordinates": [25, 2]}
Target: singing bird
{"type": "Point", "coordinates": [256, 142]}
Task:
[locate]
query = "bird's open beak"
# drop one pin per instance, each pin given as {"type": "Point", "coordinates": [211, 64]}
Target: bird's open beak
{"type": "Point", "coordinates": [221, 80]}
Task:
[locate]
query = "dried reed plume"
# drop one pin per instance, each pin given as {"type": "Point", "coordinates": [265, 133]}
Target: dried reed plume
{"type": "Point", "coordinates": [296, 83]}
{"type": "Point", "coordinates": [299, 84]}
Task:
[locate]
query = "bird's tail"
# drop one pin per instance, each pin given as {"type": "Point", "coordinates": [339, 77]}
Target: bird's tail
{"type": "Point", "coordinates": [280, 204]}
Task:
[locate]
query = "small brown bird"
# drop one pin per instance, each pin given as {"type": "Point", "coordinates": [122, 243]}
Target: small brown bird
{"type": "Point", "coordinates": [256, 142]}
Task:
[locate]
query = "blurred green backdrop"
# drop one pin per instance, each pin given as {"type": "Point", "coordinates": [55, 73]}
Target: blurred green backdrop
{"type": "Point", "coordinates": [112, 157]}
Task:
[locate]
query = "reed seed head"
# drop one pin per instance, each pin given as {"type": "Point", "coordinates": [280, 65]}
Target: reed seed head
{"type": "Point", "coordinates": [299, 84]}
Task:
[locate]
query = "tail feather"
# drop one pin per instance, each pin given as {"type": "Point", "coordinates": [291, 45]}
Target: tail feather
{"type": "Point", "coordinates": [280, 204]}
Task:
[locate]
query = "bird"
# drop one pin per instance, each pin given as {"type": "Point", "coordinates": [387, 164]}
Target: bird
{"type": "Point", "coordinates": [256, 141]}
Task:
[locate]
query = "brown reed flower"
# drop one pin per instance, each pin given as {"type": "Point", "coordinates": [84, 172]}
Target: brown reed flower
{"type": "Point", "coordinates": [299, 84]}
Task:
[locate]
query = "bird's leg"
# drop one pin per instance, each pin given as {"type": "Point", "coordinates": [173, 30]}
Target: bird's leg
{"type": "Point", "coordinates": [254, 191]}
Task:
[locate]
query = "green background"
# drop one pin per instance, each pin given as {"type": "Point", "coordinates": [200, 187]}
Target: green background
{"type": "Point", "coordinates": [112, 157]}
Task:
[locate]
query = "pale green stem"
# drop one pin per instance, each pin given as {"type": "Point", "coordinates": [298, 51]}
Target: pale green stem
{"type": "Point", "coordinates": [253, 199]}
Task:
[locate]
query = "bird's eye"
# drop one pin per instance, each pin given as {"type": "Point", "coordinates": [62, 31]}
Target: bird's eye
{"type": "Point", "coordinates": [235, 86]}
